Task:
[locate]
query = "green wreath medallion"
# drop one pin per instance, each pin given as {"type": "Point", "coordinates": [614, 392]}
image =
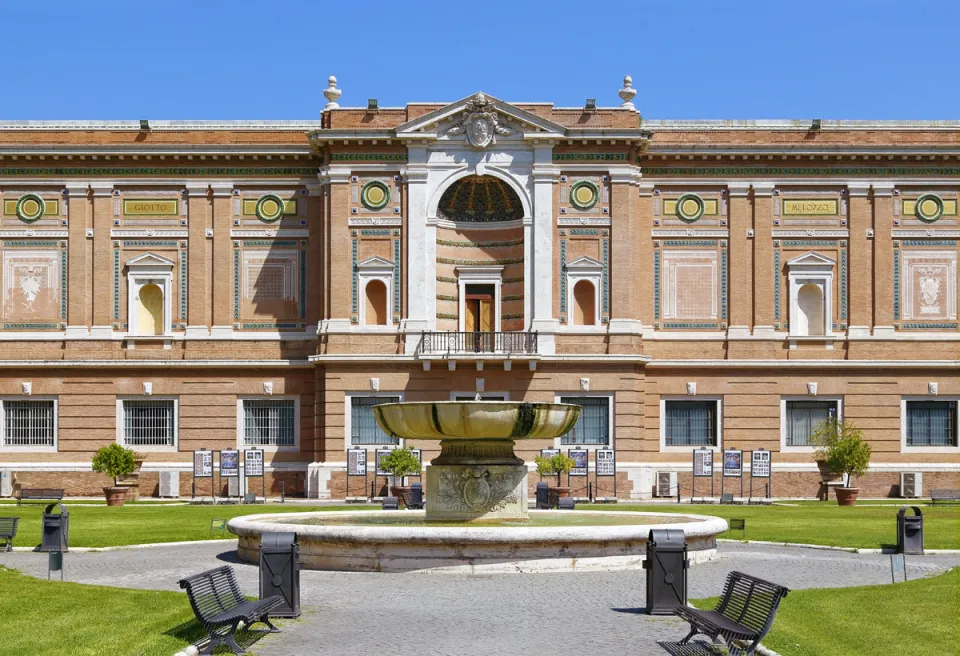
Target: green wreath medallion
{"type": "Point", "coordinates": [584, 195]}
{"type": "Point", "coordinates": [30, 207]}
{"type": "Point", "coordinates": [929, 207]}
{"type": "Point", "coordinates": [690, 207]}
{"type": "Point", "coordinates": [375, 195]}
{"type": "Point", "coordinates": [269, 208]}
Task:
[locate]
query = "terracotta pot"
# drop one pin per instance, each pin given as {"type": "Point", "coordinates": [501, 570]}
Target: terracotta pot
{"type": "Point", "coordinates": [846, 496]}
{"type": "Point", "coordinates": [402, 492]}
{"type": "Point", "coordinates": [556, 493]}
{"type": "Point", "coordinates": [826, 474]}
{"type": "Point", "coordinates": [115, 495]}
{"type": "Point", "coordinates": [137, 464]}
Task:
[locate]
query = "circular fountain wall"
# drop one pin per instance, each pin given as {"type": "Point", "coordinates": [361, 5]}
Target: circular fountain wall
{"type": "Point", "coordinates": [354, 541]}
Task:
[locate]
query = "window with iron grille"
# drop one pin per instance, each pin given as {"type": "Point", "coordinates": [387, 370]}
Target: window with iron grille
{"type": "Point", "coordinates": [593, 426]}
{"type": "Point", "coordinates": [803, 417]}
{"type": "Point", "coordinates": [28, 423]}
{"type": "Point", "coordinates": [364, 429]}
{"type": "Point", "coordinates": [149, 423]}
{"type": "Point", "coordinates": [931, 423]}
{"type": "Point", "coordinates": [269, 422]}
{"type": "Point", "coordinates": [690, 423]}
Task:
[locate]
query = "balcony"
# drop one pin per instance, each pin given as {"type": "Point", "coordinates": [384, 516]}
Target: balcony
{"type": "Point", "coordinates": [505, 344]}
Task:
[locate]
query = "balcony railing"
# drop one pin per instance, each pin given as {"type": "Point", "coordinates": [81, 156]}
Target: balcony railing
{"type": "Point", "coordinates": [477, 342]}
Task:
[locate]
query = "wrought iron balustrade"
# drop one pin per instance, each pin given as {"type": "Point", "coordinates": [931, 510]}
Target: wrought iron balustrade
{"type": "Point", "coordinates": [478, 342]}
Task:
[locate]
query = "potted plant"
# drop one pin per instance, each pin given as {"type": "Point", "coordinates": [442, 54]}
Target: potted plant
{"type": "Point", "coordinates": [556, 464]}
{"type": "Point", "coordinates": [138, 459]}
{"type": "Point", "coordinates": [114, 461]}
{"type": "Point", "coordinates": [841, 446]}
{"type": "Point", "coordinates": [400, 462]}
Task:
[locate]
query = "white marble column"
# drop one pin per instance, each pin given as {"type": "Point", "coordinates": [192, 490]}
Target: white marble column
{"type": "Point", "coordinates": [545, 175]}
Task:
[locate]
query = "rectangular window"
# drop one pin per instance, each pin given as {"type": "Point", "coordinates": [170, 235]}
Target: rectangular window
{"type": "Point", "coordinates": [803, 417]}
{"type": "Point", "coordinates": [269, 422]}
{"type": "Point", "coordinates": [364, 429]}
{"type": "Point", "coordinates": [593, 426]}
{"type": "Point", "coordinates": [931, 423]}
{"type": "Point", "coordinates": [690, 423]}
{"type": "Point", "coordinates": [28, 423]}
{"type": "Point", "coordinates": [149, 423]}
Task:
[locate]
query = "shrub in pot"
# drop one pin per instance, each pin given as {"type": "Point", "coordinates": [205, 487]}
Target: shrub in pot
{"type": "Point", "coordinates": [841, 446]}
{"type": "Point", "coordinates": [400, 463]}
{"type": "Point", "coordinates": [114, 461]}
{"type": "Point", "coordinates": [556, 464]}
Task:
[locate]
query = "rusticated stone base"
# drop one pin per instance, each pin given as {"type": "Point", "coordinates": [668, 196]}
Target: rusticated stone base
{"type": "Point", "coordinates": [473, 492]}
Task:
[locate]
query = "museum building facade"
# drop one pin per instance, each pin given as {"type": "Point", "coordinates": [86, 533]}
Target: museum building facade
{"type": "Point", "coordinates": [184, 285]}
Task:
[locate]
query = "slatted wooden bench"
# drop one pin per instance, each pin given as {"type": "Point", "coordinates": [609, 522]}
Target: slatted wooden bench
{"type": "Point", "coordinates": [39, 494]}
{"type": "Point", "coordinates": [8, 531]}
{"type": "Point", "coordinates": [220, 606]}
{"type": "Point", "coordinates": [745, 613]}
{"type": "Point", "coordinates": [943, 495]}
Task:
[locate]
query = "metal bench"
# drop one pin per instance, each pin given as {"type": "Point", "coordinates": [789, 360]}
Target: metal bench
{"type": "Point", "coordinates": [745, 613]}
{"type": "Point", "coordinates": [220, 606]}
{"type": "Point", "coordinates": [8, 531]}
{"type": "Point", "coordinates": [39, 494]}
{"type": "Point", "coordinates": [944, 495]}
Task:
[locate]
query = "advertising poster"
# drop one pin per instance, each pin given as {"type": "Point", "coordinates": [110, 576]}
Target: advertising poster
{"type": "Point", "coordinates": [229, 464]}
{"type": "Point", "coordinates": [703, 463]}
{"type": "Point", "coordinates": [760, 464]}
{"type": "Point", "coordinates": [548, 453]}
{"type": "Point", "coordinates": [253, 462]}
{"type": "Point", "coordinates": [380, 454]}
{"type": "Point", "coordinates": [357, 462]}
{"type": "Point", "coordinates": [733, 463]}
{"type": "Point", "coordinates": [203, 464]}
{"type": "Point", "coordinates": [580, 459]}
{"type": "Point", "coordinates": [606, 463]}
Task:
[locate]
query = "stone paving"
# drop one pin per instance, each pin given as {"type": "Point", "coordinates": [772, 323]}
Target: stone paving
{"type": "Point", "coordinates": [425, 614]}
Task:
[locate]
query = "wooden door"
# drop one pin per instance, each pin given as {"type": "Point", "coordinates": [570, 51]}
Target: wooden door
{"type": "Point", "coordinates": [485, 311]}
{"type": "Point", "coordinates": [471, 320]}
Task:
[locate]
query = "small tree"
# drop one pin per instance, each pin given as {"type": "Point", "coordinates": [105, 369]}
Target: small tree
{"type": "Point", "coordinates": [555, 464]}
{"type": "Point", "coordinates": [400, 462]}
{"type": "Point", "coordinates": [114, 461]}
{"type": "Point", "coordinates": [841, 445]}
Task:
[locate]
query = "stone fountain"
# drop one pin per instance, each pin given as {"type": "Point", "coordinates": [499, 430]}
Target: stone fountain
{"type": "Point", "coordinates": [477, 475]}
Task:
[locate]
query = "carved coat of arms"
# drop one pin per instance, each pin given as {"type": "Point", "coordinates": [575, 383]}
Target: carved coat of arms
{"type": "Point", "coordinates": [481, 124]}
{"type": "Point", "coordinates": [929, 290]}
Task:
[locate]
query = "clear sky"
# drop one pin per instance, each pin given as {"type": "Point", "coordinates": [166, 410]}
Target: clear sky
{"type": "Point", "coordinates": [213, 59]}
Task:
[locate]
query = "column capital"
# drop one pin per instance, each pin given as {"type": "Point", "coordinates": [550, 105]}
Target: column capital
{"type": "Point", "coordinates": [858, 189]}
{"type": "Point", "coordinates": [545, 173]}
{"type": "Point", "coordinates": [883, 189]}
{"type": "Point", "coordinates": [99, 190]}
{"type": "Point", "coordinates": [221, 189]}
{"type": "Point", "coordinates": [645, 188]}
{"type": "Point", "coordinates": [738, 189]}
{"type": "Point", "coordinates": [78, 190]}
{"type": "Point", "coordinates": [624, 175]}
{"type": "Point", "coordinates": [763, 188]}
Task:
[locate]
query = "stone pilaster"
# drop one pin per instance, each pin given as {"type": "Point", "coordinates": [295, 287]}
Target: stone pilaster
{"type": "Point", "coordinates": [883, 259]}
{"type": "Point", "coordinates": [79, 252]}
{"type": "Point", "coordinates": [102, 296]}
{"type": "Point", "coordinates": [540, 280]}
{"type": "Point", "coordinates": [421, 249]}
{"type": "Point", "coordinates": [741, 275]}
{"type": "Point", "coordinates": [199, 257]}
{"type": "Point", "coordinates": [624, 261]}
{"type": "Point", "coordinates": [222, 259]}
{"type": "Point", "coordinates": [315, 273]}
{"type": "Point", "coordinates": [764, 275]}
{"type": "Point", "coordinates": [860, 285]}
{"type": "Point", "coordinates": [643, 238]}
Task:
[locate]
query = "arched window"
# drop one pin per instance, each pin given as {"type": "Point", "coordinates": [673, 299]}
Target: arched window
{"type": "Point", "coordinates": [150, 315]}
{"type": "Point", "coordinates": [376, 295]}
{"type": "Point", "coordinates": [480, 199]}
{"type": "Point", "coordinates": [810, 315]}
{"type": "Point", "coordinates": [584, 304]}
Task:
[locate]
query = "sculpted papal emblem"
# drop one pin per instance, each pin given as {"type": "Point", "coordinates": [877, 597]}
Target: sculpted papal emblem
{"type": "Point", "coordinates": [929, 291]}
{"type": "Point", "coordinates": [481, 124]}
{"type": "Point", "coordinates": [476, 490]}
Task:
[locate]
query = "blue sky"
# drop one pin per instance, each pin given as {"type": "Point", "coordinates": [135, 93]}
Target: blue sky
{"type": "Point", "coordinates": [210, 59]}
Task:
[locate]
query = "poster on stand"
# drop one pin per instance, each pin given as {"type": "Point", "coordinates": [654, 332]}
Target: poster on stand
{"type": "Point", "coordinates": [606, 462]}
{"type": "Point", "coordinates": [733, 464]}
{"type": "Point", "coordinates": [356, 462]}
{"type": "Point", "coordinates": [581, 459]}
{"type": "Point", "coordinates": [229, 464]}
{"type": "Point", "coordinates": [703, 463]}
{"type": "Point", "coordinates": [203, 464]}
{"type": "Point", "coordinates": [380, 454]}
{"type": "Point", "coordinates": [548, 453]}
{"type": "Point", "coordinates": [253, 462]}
{"type": "Point", "coordinates": [760, 464]}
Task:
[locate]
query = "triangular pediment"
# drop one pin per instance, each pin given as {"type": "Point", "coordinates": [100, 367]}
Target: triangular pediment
{"type": "Point", "coordinates": [374, 262]}
{"type": "Point", "coordinates": [149, 260]}
{"type": "Point", "coordinates": [811, 258]}
{"type": "Point", "coordinates": [584, 262]}
{"type": "Point", "coordinates": [509, 114]}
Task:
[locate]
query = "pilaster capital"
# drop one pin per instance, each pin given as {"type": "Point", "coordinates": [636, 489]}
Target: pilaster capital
{"type": "Point", "coordinates": [415, 175]}
{"type": "Point", "coordinates": [645, 188]}
{"type": "Point", "coordinates": [334, 175]}
{"type": "Point", "coordinates": [101, 190]}
{"type": "Point", "coordinates": [76, 190]}
{"type": "Point", "coordinates": [883, 189]}
{"type": "Point", "coordinates": [545, 173]}
{"type": "Point", "coordinates": [314, 189]}
{"type": "Point", "coordinates": [738, 189]}
{"type": "Point", "coordinates": [221, 189]}
{"type": "Point", "coordinates": [858, 189]}
{"type": "Point", "coordinates": [196, 188]}
{"type": "Point", "coordinates": [624, 175]}
{"type": "Point", "coordinates": [763, 189]}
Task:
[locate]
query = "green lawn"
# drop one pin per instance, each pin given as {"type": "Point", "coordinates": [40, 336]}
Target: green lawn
{"type": "Point", "coordinates": [43, 618]}
{"type": "Point", "coordinates": [141, 523]}
{"type": "Point", "coordinates": [864, 525]}
{"type": "Point", "coordinates": [916, 618]}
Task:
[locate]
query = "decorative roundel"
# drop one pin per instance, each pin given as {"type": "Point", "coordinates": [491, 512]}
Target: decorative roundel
{"type": "Point", "coordinates": [30, 207]}
{"type": "Point", "coordinates": [584, 194]}
{"type": "Point", "coordinates": [375, 195]}
{"type": "Point", "coordinates": [689, 207]}
{"type": "Point", "coordinates": [929, 208]}
{"type": "Point", "coordinates": [269, 208]}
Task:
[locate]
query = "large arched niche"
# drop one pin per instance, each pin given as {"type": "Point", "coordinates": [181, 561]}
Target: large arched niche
{"type": "Point", "coordinates": [480, 199]}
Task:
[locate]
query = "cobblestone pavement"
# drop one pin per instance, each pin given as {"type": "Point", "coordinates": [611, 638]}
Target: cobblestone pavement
{"type": "Point", "coordinates": [426, 614]}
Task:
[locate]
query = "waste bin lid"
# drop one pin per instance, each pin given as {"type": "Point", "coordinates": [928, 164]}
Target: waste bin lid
{"type": "Point", "coordinates": [278, 540]}
{"type": "Point", "coordinates": [543, 486]}
{"type": "Point", "coordinates": [416, 486]}
{"type": "Point", "coordinates": [668, 538]}
{"type": "Point", "coordinates": [916, 511]}
{"type": "Point", "coordinates": [49, 508]}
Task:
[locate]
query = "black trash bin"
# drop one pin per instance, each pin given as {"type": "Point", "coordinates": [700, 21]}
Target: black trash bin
{"type": "Point", "coordinates": [910, 531]}
{"type": "Point", "coordinates": [543, 496]}
{"type": "Point", "coordinates": [414, 500]}
{"type": "Point", "coordinates": [666, 566]}
{"type": "Point", "coordinates": [55, 535]}
{"type": "Point", "coordinates": [280, 572]}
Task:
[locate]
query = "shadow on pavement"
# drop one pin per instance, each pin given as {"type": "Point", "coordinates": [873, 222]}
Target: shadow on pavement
{"type": "Point", "coordinates": [193, 633]}
{"type": "Point", "coordinates": [231, 557]}
{"type": "Point", "coordinates": [632, 611]}
{"type": "Point", "coordinates": [693, 648]}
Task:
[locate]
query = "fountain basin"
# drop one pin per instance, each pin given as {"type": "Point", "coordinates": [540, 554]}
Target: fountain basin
{"type": "Point", "coordinates": [472, 548]}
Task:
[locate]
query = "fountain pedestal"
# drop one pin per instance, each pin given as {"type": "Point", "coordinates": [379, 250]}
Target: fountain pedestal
{"type": "Point", "coordinates": [471, 492]}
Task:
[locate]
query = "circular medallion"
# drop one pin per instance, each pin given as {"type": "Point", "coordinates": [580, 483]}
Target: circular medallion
{"type": "Point", "coordinates": [689, 207]}
{"type": "Point", "coordinates": [584, 195]}
{"type": "Point", "coordinates": [269, 208]}
{"type": "Point", "coordinates": [929, 208]}
{"type": "Point", "coordinates": [375, 195]}
{"type": "Point", "coordinates": [30, 207]}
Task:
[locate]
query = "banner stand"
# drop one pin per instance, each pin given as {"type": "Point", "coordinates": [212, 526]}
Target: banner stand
{"type": "Point", "coordinates": [253, 467]}
{"type": "Point", "coordinates": [702, 468]}
{"type": "Point", "coordinates": [202, 468]}
{"type": "Point", "coordinates": [605, 465]}
{"type": "Point", "coordinates": [732, 468]}
{"type": "Point", "coordinates": [761, 466]}
{"type": "Point", "coordinates": [356, 468]}
{"type": "Point", "coordinates": [581, 468]}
